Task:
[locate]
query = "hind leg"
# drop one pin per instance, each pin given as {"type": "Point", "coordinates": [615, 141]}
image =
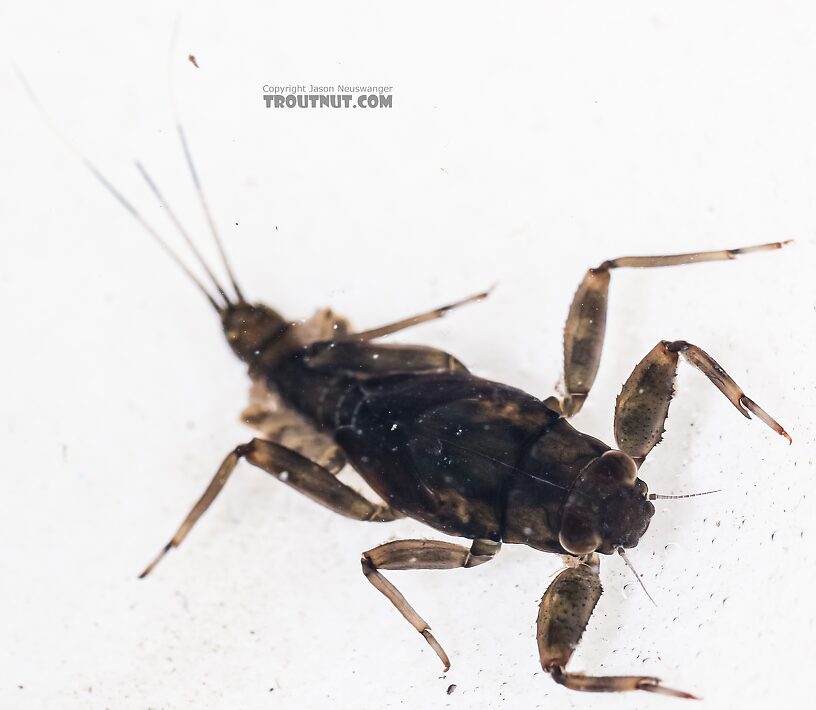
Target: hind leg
{"type": "Point", "coordinates": [294, 470]}
{"type": "Point", "coordinates": [414, 320]}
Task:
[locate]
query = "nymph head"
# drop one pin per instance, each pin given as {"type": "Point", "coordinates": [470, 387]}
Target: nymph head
{"type": "Point", "coordinates": [608, 508]}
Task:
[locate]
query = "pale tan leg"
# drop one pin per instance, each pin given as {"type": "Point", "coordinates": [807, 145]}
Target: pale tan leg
{"type": "Point", "coordinates": [586, 322]}
{"type": "Point", "coordinates": [422, 554]}
{"type": "Point", "coordinates": [414, 320]}
{"type": "Point", "coordinates": [563, 615]}
{"type": "Point", "coordinates": [268, 414]}
{"type": "Point", "coordinates": [292, 469]}
{"type": "Point", "coordinates": [365, 358]}
{"type": "Point", "coordinates": [643, 404]}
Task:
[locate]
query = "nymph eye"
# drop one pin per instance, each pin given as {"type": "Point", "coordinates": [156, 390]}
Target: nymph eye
{"type": "Point", "coordinates": [620, 466]}
{"type": "Point", "coordinates": [577, 534]}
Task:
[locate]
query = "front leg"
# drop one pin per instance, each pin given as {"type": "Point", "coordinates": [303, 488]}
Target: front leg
{"type": "Point", "coordinates": [643, 404]}
{"type": "Point", "coordinates": [586, 322]}
{"type": "Point", "coordinates": [562, 617]}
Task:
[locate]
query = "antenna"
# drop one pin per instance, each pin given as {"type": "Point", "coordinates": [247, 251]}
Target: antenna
{"type": "Point", "coordinates": [634, 572]}
{"type": "Point", "coordinates": [658, 496]}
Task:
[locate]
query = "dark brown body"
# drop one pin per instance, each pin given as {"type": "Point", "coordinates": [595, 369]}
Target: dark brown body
{"type": "Point", "coordinates": [467, 456]}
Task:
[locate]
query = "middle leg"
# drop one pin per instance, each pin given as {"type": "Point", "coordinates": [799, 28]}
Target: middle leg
{"type": "Point", "coordinates": [422, 554]}
{"type": "Point", "coordinates": [586, 322]}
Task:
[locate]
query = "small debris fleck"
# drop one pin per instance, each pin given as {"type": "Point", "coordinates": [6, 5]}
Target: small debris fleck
{"type": "Point", "coordinates": [451, 688]}
{"type": "Point", "coordinates": [191, 58]}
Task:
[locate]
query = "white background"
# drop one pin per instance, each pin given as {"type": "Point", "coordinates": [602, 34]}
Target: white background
{"type": "Point", "coordinates": [526, 143]}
